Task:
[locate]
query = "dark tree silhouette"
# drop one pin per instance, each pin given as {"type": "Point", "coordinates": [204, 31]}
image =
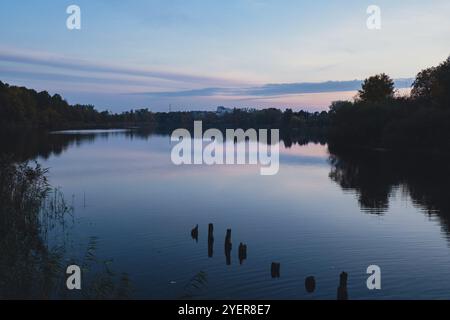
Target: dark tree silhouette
{"type": "Point", "coordinates": [22, 107]}
{"type": "Point", "coordinates": [378, 119]}
{"type": "Point", "coordinates": [377, 88]}
{"type": "Point", "coordinates": [433, 85]}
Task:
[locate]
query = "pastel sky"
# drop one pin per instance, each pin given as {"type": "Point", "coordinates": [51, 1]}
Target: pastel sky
{"type": "Point", "coordinates": [199, 54]}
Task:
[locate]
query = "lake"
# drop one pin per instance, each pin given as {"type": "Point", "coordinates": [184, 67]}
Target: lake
{"type": "Point", "coordinates": [328, 210]}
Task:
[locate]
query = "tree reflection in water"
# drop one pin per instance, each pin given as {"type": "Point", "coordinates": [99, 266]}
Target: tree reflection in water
{"type": "Point", "coordinates": [376, 175]}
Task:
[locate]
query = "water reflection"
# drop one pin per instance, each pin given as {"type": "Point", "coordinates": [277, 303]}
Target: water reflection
{"type": "Point", "coordinates": [303, 207]}
{"type": "Point", "coordinates": [25, 145]}
{"type": "Point", "coordinates": [374, 176]}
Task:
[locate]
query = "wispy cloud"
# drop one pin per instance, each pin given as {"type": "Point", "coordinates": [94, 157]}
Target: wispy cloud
{"type": "Point", "coordinates": [270, 90]}
{"type": "Point", "coordinates": [45, 59]}
{"type": "Point", "coordinates": [110, 85]}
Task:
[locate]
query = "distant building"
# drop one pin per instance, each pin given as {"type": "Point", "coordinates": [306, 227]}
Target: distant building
{"type": "Point", "coordinates": [222, 110]}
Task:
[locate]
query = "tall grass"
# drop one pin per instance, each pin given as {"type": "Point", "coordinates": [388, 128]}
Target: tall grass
{"type": "Point", "coordinates": [29, 267]}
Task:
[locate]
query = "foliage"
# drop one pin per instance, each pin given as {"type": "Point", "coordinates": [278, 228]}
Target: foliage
{"type": "Point", "coordinates": [421, 121]}
{"type": "Point", "coordinates": [377, 88]}
{"type": "Point", "coordinates": [24, 107]}
{"type": "Point", "coordinates": [29, 266]}
{"type": "Point", "coordinates": [432, 85]}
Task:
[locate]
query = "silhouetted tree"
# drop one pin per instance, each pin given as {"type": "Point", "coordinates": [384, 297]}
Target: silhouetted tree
{"type": "Point", "coordinates": [377, 88]}
{"type": "Point", "coordinates": [379, 119]}
{"type": "Point", "coordinates": [433, 85]}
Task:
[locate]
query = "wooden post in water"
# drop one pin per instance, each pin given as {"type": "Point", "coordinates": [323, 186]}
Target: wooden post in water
{"type": "Point", "coordinates": [310, 284]}
{"type": "Point", "coordinates": [342, 293]}
{"type": "Point", "coordinates": [194, 233]}
{"type": "Point", "coordinates": [275, 269]}
{"type": "Point", "coordinates": [242, 252]}
{"type": "Point", "coordinates": [210, 240]}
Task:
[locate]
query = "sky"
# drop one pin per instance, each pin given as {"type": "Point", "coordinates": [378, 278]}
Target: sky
{"type": "Point", "coordinates": [200, 54]}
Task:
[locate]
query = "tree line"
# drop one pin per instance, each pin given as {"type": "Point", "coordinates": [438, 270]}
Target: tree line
{"type": "Point", "coordinates": [22, 107]}
{"type": "Point", "coordinates": [378, 117]}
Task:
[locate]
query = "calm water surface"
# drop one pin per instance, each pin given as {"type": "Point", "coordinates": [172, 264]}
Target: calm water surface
{"type": "Point", "coordinates": [324, 213]}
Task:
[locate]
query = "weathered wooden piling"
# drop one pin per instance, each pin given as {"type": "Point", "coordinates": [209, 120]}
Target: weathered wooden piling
{"type": "Point", "coordinates": [342, 293]}
{"type": "Point", "coordinates": [194, 233]}
{"type": "Point", "coordinates": [242, 252]}
{"type": "Point", "coordinates": [310, 284]}
{"type": "Point", "coordinates": [275, 269]}
{"type": "Point", "coordinates": [210, 240]}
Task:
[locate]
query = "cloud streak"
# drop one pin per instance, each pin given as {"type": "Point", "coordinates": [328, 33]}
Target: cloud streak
{"type": "Point", "coordinates": [270, 90]}
{"type": "Point", "coordinates": [40, 59]}
{"type": "Point", "coordinates": [119, 85]}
